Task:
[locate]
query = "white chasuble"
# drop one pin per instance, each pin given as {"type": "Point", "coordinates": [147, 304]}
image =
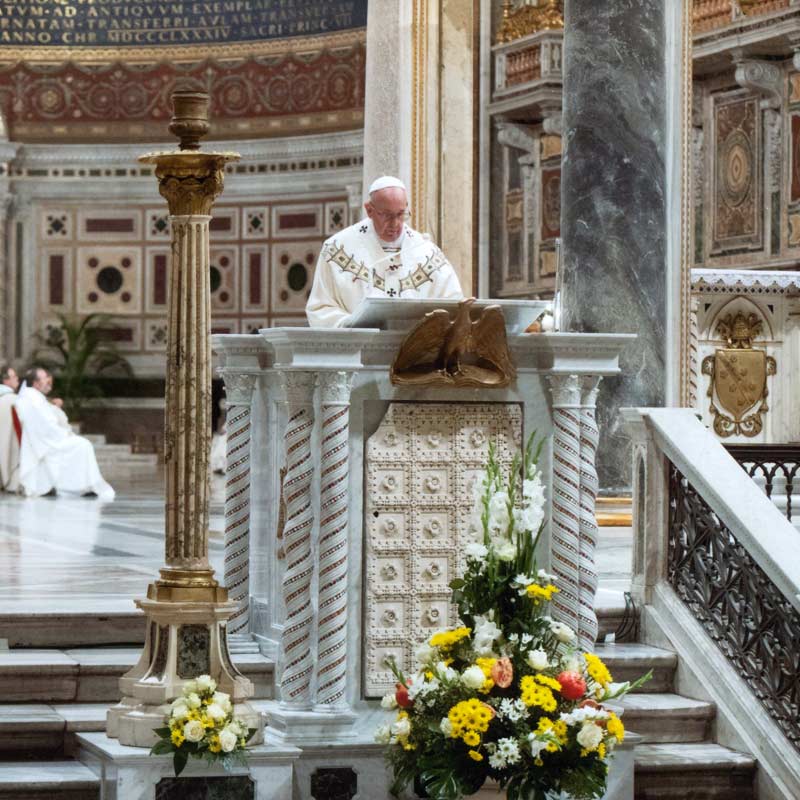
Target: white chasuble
{"type": "Point", "coordinates": [52, 456]}
{"type": "Point", "coordinates": [353, 265]}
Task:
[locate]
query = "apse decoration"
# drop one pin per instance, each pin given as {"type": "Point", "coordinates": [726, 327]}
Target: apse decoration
{"type": "Point", "coordinates": [738, 378]}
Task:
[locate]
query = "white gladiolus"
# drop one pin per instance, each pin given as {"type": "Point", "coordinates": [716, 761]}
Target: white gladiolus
{"type": "Point", "coordinates": [402, 727]}
{"type": "Point", "coordinates": [443, 672]}
{"type": "Point", "coordinates": [193, 730]}
{"type": "Point", "coordinates": [205, 683]}
{"type": "Point", "coordinates": [484, 635]}
{"type": "Point", "coordinates": [590, 735]}
{"type": "Point", "coordinates": [473, 677]}
{"type": "Point", "coordinates": [216, 711]}
{"type": "Point", "coordinates": [383, 735]}
{"type": "Point", "coordinates": [193, 700]}
{"type": "Point", "coordinates": [562, 632]}
{"type": "Point", "coordinates": [537, 659]}
{"type": "Point", "coordinates": [571, 663]}
{"type": "Point", "coordinates": [585, 714]}
{"type": "Point", "coordinates": [388, 701]}
{"type": "Point", "coordinates": [227, 740]}
{"type": "Point", "coordinates": [476, 551]}
{"type": "Point", "coordinates": [504, 549]}
{"type": "Point", "coordinates": [446, 727]}
{"type": "Point", "coordinates": [536, 745]}
{"type": "Point", "coordinates": [546, 577]}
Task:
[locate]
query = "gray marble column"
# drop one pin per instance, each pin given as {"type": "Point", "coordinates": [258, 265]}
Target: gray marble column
{"type": "Point", "coordinates": [615, 200]}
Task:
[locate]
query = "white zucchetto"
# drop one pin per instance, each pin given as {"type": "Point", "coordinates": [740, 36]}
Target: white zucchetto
{"type": "Point", "coordinates": [387, 182]}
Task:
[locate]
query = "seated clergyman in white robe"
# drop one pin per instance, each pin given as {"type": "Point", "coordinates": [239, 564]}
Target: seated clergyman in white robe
{"type": "Point", "coordinates": [9, 446]}
{"type": "Point", "coordinates": [52, 456]}
{"type": "Point", "coordinates": [380, 256]}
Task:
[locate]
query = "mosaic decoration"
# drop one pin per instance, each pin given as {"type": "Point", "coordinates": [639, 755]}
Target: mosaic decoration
{"type": "Point", "coordinates": [113, 260]}
{"type": "Point", "coordinates": [737, 173]}
{"type": "Point", "coordinates": [422, 467]}
{"type": "Point", "coordinates": [335, 217]}
{"type": "Point", "coordinates": [250, 97]}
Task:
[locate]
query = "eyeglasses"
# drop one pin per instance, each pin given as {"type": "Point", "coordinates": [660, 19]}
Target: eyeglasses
{"type": "Point", "coordinates": [386, 216]}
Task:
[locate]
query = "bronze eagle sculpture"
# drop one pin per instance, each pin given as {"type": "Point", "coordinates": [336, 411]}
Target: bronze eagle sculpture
{"type": "Point", "coordinates": [456, 352]}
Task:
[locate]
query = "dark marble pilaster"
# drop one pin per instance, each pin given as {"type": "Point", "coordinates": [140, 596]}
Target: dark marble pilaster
{"type": "Point", "coordinates": [614, 201]}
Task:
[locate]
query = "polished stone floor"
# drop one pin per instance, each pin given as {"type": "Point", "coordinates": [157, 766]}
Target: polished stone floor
{"type": "Point", "coordinates": [73, 554]}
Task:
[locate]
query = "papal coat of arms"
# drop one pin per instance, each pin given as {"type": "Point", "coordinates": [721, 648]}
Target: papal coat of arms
{"type": "Point", "coordinates": [738, 375]}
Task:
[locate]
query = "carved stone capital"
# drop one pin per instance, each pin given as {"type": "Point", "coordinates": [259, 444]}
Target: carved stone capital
{"type": "Point", "coordinates": [335, 387]}
{"type": "Point", "coordinates": [299, 387]}
{"type": "Point", "coordinates": [763, 77]}
{"type": "Point", "coordinates": [238, 386]}
{"type": "Point", "coordinates": [554, 124]}
{"type": "Point", "coordinates": [566, 390]}
{"type": "Point", "coordinates": [590, 385]}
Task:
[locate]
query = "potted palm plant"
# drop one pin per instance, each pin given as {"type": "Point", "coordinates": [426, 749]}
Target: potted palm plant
{"type": "Point", "coordinates": [77, 350]}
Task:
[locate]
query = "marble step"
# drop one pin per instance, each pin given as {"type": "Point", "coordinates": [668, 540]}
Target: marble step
{"type": "Point", "coordinates": [702, 771]}
{"type": "Point", "coordinates": [73, 629]}
{"type": "Point", "coordinates": [49, 780]}
{"type": "Point", "coordinates": [90, 675]}
{"type": "Point", "coordinates": [668, 717]}
{"type": "Point", "coordinates": [627, 662]}
{"type": "Point", "coordinates": [97, 439]}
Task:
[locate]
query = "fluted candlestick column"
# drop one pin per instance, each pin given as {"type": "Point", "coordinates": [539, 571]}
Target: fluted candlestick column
{"type": "Point", "coordinates": [186, 607]}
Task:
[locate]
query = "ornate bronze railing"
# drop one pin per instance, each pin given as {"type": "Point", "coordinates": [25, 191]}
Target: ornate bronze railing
{"type": "Point", "coordinates": [770, 461]}
{"type": "Point", "coordinates": [741, 609]}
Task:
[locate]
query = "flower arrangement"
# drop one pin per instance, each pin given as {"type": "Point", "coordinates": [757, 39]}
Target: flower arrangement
{"type": "Point", "coordinates": [505, 695]}
{"type": "Point", "coordinates": [201, 724]}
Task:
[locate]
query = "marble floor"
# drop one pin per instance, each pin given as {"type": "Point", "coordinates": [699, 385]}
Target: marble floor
{"type": "Point", "coordinates": [76, 554]}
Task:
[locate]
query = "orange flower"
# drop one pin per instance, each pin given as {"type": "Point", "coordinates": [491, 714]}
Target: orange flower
{"type": "Point", "coordinates": [502, 672]}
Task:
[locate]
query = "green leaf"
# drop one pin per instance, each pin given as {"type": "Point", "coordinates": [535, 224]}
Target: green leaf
{"type": "Point", "coordinates": [179, 761]}
{"type": "Point", "coordinates": [162, 732]}
{"type": "Point", "coordinates": [162, 747]}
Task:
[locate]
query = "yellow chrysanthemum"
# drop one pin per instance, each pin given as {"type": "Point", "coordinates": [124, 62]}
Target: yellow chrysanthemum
{"type": "Point", "coordinates": [533, 694]}
{"type": "Point", "coordinates": [472, 738]}
{"type": "Point", "coordinates": [409, 746]}
{"type": "Point", "coordinates": [475, 755]}
{"type": "Point", "coordinates": [560, 730]}
{"type": "Point", "coordinates": [177, 737]}
{"type": "Point", "coordinates": [446, 639]}
{"type": "Point", "coordinates": [545, 724]}
{"type": "Point", "coordinates": [601, 750]}
{"type": "Point", "coordinates": [552, 683]}
{"type": "Point", "coordinates": [214, 745]}
{"type": "Point", "coordinates": [615, 727]}
{"type": "Point", "coordinates": [538, 593]}
{"type": "Point", "coordinates": [551, 747]}
{"type": "Point", "coordinates": [597, 670]}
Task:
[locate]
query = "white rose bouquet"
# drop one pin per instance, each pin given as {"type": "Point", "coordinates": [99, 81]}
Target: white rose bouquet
{"type": "Point", "coordinates": [201, 724]}
{"type": "Point", "coordinates": [505, 695]}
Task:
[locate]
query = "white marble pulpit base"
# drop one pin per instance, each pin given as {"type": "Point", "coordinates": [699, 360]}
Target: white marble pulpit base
{"type": "Point", "coordinates": [131, 773]}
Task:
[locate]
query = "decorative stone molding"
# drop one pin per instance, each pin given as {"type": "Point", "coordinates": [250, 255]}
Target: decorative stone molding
{"type": "Point", "coordinates": [745, 281]}
{"type": "Point", "coordinates": [333, 540]}
{"type": "Point", "coordinates": [512, 134]}
{"type": "Point", "coordinates": [296, 645]}
{"type": "Point", "coordinates": [763, 77]}
{"type": "Point", "coordinates": [773, 123]}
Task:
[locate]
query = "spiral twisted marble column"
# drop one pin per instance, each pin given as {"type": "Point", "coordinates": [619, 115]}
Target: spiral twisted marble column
{"type": "Point", "coordinates": [239, 393]}
{"type": "Point", "coordinates": [296, 651]}
{"type": "Point", "coordinates": [565, 547]}
{"type": "Point", "coordinates": [333, 540]}
{"type": "Point", "coordinates": [587, 570]}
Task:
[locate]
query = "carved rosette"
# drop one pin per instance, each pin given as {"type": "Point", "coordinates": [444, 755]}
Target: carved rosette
{"type": "Point", "coordinates": [297, 659]}
{"type": "Point", "coordinates": [333, 539]}
{"type": "Point", "coordinates": [566, 514]}
{"type": "Point", "coordinates": [239, 392]}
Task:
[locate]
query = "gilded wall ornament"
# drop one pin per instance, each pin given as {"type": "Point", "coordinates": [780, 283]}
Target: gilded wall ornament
{"type": "Point", "coordinates": [522, 21]}
{"type": "Point", "coordinates": [739, 378]}
{"type": "Point", "coordinates": [457, 352]}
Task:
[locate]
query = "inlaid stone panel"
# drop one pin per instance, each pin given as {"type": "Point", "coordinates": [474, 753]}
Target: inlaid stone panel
{"type": "Point", "coordinates": [424, 466]}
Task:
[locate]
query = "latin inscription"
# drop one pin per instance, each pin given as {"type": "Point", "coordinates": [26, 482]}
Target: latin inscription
{"type": "Point", "coordinates": [103, 23]}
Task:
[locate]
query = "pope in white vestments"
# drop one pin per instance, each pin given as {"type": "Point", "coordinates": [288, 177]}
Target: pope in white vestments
{"type": "Point", "coordinates": [52, 456]}
{"type": "Point", "coordinates": [380, 256]}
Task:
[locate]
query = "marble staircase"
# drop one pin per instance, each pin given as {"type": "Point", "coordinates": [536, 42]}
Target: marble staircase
{"type": "Point", "coordinates": [120, 458]}
{"type": "Point", "coordinates": [62, 687]}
